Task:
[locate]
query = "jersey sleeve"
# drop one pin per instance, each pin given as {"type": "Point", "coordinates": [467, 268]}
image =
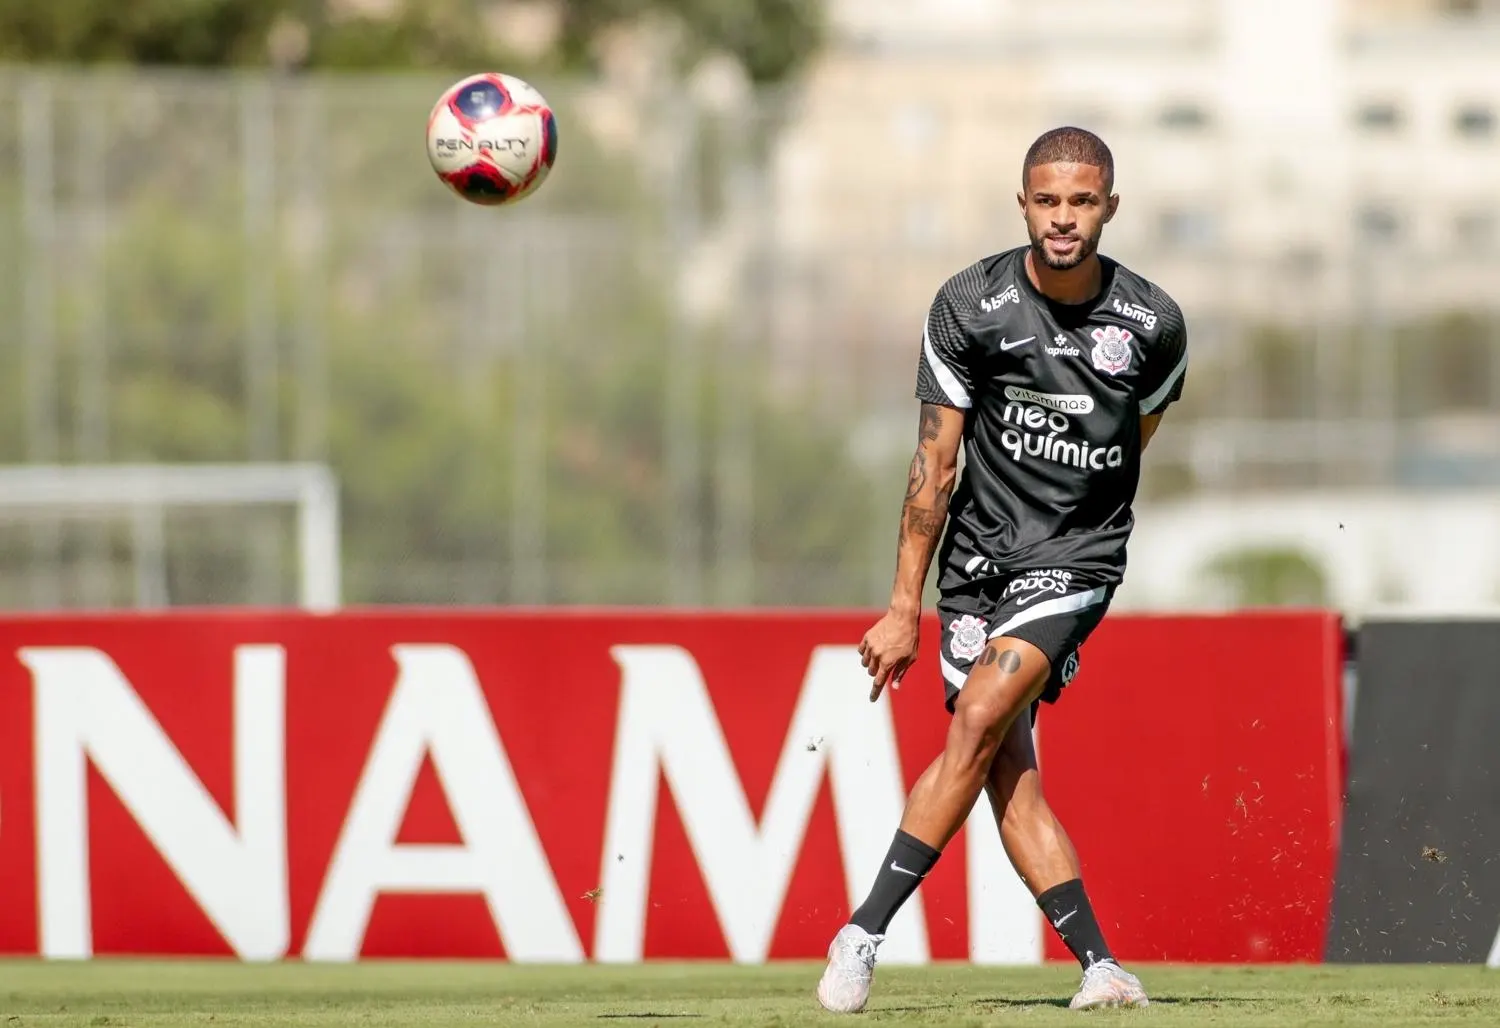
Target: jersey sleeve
{"type": "Point", "coordinates": [944, 370]}
{"type": "Point", "coordinates": [1166, 367]}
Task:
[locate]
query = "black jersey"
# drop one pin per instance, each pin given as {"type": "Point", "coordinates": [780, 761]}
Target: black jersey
{"type": "Point", "coordinates": [1053, 395]}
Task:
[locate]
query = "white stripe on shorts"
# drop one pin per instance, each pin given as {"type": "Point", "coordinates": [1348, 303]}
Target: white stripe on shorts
{"type": "Point", "coordinates": [1047, 608]}
{"type": "Point", "coordinates": [954, 676]}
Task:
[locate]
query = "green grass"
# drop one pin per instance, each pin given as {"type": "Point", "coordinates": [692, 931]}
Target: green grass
{"type": "Point", "coordinates": [125, 993]}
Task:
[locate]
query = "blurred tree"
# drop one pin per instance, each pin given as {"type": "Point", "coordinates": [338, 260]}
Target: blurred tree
{"type": "Point", "coordinates": [431, 439]}
{"type": "Point", "coordinates": [770, 38]}
{"type": "Point", "coordinates": [195, 32]}
{"type": "Point", "coordinates": [1445, 365]}
{"type": "Point", "coordinates": [1269, 577]}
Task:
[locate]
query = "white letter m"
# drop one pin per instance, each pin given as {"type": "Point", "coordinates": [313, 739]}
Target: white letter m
{"type": "Point", "coordinates": [668, 726]}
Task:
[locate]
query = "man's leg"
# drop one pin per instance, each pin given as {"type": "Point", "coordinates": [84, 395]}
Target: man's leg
{"type": "Point", "coordinates": [1008, 675]}
{"type": "Point", "coordinates": [1043, 855]}
{"type": "Point", "coordinates": [1006, 678]}
{"type": "Point", "coordinates": [1034, 839]}
{"type": "Point", "coordinates": [1038, 846]}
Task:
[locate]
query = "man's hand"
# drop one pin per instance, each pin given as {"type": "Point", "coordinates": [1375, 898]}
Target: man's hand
{"type": "Point", "coordinates": [888, 649]}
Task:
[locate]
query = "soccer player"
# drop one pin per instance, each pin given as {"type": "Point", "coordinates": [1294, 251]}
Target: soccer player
{"type": "Point", "coordinates": [1053, 366]}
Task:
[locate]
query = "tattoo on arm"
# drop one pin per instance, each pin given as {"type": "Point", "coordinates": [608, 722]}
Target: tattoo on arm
{"type": "Point", "coordinates": [917, 520]}
{"type": "Point", "coordinates": [917, 477]}
{"type": "Point", "coordinates": [931, 421]}
{"type": "Point", "coordinates": [924, 521]}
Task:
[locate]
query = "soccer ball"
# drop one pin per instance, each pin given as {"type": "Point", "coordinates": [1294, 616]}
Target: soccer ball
{"type": "Point", "coordinates": [492, 138]}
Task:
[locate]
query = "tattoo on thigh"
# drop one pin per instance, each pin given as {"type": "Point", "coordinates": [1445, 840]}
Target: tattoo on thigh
{"type": "Point", "coordinates": [1009, 660]}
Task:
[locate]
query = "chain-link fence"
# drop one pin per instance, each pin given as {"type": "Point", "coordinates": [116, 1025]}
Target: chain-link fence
{"type": "Point", "coordinates": [669, 377]}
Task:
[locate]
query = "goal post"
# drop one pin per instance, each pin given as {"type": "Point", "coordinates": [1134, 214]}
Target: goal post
{"type": "Point", "coordinates": [146, 490]}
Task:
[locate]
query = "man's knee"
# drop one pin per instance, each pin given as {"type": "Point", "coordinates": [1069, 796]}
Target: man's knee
{"type": "Point", "coordinates": [1000, 689]}
{"type": "Point", "coordinates": [981, 724]}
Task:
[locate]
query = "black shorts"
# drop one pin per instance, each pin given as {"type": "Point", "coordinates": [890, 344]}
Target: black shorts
{"type": "Point", "coordinates": [1053, 609]}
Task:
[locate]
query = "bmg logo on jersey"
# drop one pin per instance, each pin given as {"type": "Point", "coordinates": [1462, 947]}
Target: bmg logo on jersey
{"type": "Point", "coordinates": [1135, 312]}
{"type": "Point", "coordinates": [994, 303]}
{"type": "Point", "coordinates": [1042, 434]}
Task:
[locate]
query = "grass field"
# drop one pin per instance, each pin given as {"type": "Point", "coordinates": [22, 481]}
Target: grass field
{"type": "Point", "coordinates": [123, 993]}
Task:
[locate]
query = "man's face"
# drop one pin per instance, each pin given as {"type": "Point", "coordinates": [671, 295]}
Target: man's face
{"type": "Point", "coordinates": [1066, 207]}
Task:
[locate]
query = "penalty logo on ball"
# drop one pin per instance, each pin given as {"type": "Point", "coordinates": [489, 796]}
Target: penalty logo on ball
{"type": "Point", "coordinates": [492, 139]}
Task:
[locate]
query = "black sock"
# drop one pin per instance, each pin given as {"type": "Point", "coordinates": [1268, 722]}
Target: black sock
{"type": "Point", "coordinates": [905, 866]}
{"type": "Point", "coordinates": [1067, 909]}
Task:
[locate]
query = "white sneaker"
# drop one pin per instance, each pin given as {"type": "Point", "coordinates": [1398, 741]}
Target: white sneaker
{"type": "Point", "coordinates": [851, 965]}
{"type": "Point", "coordinates": [1107, 984]}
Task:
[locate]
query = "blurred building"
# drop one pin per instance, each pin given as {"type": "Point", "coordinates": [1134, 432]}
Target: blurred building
{"type": "Point", "coordinates": [1306, 138]}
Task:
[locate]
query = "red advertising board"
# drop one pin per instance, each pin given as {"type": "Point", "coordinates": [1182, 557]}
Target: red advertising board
{"type": "Point", "coordinates": [618, 786]}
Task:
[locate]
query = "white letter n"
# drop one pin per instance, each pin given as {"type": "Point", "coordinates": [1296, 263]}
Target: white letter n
{"type": "Point", "coordinates": [87, 711]}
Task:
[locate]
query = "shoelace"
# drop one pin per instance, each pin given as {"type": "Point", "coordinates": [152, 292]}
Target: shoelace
{"type": "Point", "coordinates": [1104, 969]}
{"type": "Point", "coordinates": [864, 952]}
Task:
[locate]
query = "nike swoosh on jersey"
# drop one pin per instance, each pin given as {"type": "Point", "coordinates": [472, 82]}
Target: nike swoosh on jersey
{"type": "Point", "coordinates": [1019, 342]}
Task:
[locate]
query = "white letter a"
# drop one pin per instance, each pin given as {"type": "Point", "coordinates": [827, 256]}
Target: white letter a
{"type": "Point", "coordinates": [437, 707]}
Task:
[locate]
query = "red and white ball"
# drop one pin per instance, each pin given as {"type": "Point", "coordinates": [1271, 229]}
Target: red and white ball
{"type": "Point", "coordinates": [492, 138]}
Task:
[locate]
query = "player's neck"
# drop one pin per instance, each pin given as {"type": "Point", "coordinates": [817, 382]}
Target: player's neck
{"type": "Point", "coordinates": [1074, 286]}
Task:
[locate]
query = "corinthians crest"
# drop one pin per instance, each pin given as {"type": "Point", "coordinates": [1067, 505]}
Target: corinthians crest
{"type": "Point", "coordinates": [1111, 348]}
{"type": "Point", "coordinates": [968, 637]}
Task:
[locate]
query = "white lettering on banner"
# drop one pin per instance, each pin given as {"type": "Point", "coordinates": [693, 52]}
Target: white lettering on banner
{"type": "Point", "coordinates": [667, 727]}
{"type": "Point", "coordinates": [87, 712]}
{"type": "Point", "coordinates": [1005, 926]}
{"type": "Point", "coordinates": [437, 707]}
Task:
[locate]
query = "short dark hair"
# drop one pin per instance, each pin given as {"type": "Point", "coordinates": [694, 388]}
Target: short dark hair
{"type": "Point", "coordinates": [1070, 145]}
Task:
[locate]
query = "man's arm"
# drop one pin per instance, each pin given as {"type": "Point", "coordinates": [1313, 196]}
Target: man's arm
{"type": "Point", "coordinates": [890, 647]}
{"type": "Point", "coordinates": [929, 485]}
{"type": "Point", "coordinates": [945, 385]}
{"type": "Point", "coordinates": [1166, 366]}
{"type": "Point", "coordinates": [1149, 424]}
